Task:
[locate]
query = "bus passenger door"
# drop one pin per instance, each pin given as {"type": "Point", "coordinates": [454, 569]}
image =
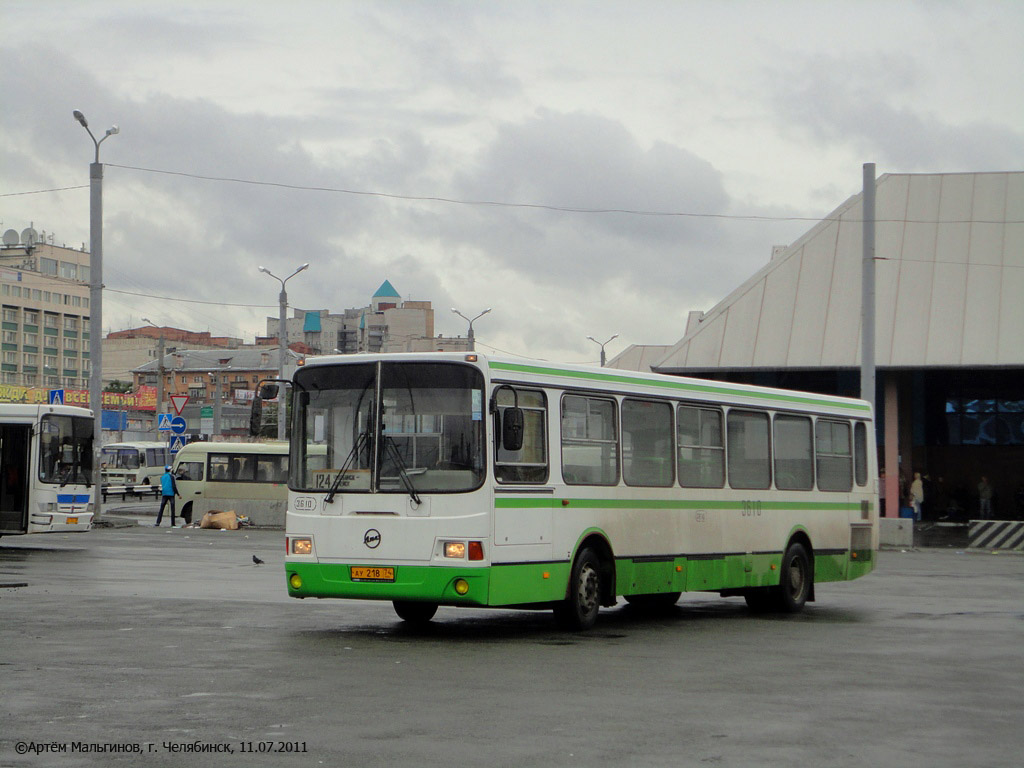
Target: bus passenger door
{"type": "Point", "coordinates": [14, 466]}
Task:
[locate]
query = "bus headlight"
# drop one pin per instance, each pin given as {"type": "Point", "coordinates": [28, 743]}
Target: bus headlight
{"type": "Point", "coordinates": [295, 581]}
{"type": "Point", "coordinates": [461, 586]}
{"type": "Point", "coordinates": [455, 549]}
{"type": "Point", "coordinates": [302, 546]}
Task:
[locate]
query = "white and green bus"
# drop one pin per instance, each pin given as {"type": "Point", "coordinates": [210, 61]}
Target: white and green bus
{"type": "Point", "coordinates": [465, 480]}
{"type": "Point", "coordinates": [45, 468]}
{"type": "Point", "coordinates": [250, 479]}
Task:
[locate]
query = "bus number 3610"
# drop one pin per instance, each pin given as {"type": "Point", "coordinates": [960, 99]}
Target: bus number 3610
{"type": "Point", "coordinates": [751, 509]}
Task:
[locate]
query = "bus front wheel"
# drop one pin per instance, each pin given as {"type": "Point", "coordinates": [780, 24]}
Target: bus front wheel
{"type": "Point", "coordinates": [579, 609]}
{"type": "Point", "coordinates": [414, 612]}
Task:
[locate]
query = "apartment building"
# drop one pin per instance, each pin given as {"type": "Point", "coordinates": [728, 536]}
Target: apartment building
{"type": "Point", "coordinates": [44, 292]}
{"type": "Point", "coordinates": [386, 324]}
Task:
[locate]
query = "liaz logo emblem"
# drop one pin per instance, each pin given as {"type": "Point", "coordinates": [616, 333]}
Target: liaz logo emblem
{"type": "Point", "coordinates": [372, 538]}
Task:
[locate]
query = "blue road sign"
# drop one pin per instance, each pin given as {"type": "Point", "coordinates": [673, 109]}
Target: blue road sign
{"type": "Point", "coordinates": [56, 396]}
{"type": "Point", "coordinates": [177, 443]}
{"type": "Point", "coordinates": [178, 425]}
{"type": "Point", "coordinates": [163, 422]}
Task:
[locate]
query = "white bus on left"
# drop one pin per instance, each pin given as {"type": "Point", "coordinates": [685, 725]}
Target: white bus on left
{"type": "Point", "coordinates": [46, 466]}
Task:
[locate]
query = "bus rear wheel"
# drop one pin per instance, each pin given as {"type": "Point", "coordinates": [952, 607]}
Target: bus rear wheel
{"type": "Point", "coordinates": [579, 609]}
{"type": "Point", "coordinates": [414, 612]}
{"type": "Point", "coordinates": [795, 580]}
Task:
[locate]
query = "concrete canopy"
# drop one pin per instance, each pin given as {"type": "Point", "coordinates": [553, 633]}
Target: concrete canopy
{"type": "Point", "coordinates": [949, 287]}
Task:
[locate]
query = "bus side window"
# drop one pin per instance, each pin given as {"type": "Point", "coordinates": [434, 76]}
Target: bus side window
{"type": "Point", "coordinates": [589, 441]}
{"type": "Point", "coordinates": [647, 443]}
{"type": "Point", "coordinates": [701, 451]}
{"type": "Point", "coordinates": [860, 455]}
{"type": "Point", "coordinates": [530, 463]}
{"type": "Point", "coordinates": [749, 456]}
{"type": "Point", "coordinates": [834, 455]}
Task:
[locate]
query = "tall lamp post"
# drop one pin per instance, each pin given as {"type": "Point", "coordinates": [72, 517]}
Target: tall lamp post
{"type": "Point", "coordinates": [469, 335]}
{"type": "Point", "coordinates": [96, 302]}
{"type": "Point", "coordinates": [282, 342]}
{"type": "Point", "coordinates": [159, 368]}
{"type": "Point", "coordinates": [601, 345]}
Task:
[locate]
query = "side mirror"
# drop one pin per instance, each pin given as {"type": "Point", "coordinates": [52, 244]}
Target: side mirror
{"type": "Point", "coordinates": [512, 429]}
{"type": "Point", "coordinates": [268, 391]}
{"type": "Point", "coordinates": [256, 416]}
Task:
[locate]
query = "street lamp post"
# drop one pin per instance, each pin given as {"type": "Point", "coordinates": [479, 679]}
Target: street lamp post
{"type": "Point", "coordinates": [160, 368]}
{"type": "Point", "coordinates": [601, 345]}
{"type": "Point", "coordinates": [282, 342]}
{"type": "Point", "coordinates": [96, 302]}
{"type": "Point", "coordinates": [469, 336]}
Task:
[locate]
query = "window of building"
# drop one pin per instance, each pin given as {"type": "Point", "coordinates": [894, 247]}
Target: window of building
{"type": "Point", "coordinates": [31, 317]}
{"type": "Point", "coordinates": [794, 453]}
{"type": "Point", "coordinates": [16, 291]}
{"type": "Point", "coordinates": [70, 323]}
{"type": "Point", "coordinates": [51, 321]}
{"type": "Point", "coordinates": [647, 443]}
{"type": "Point", "coordinates": [700, 449]}
{"type": "Point", "coordinates": [69, 270]}
{"type": "Point", "coordinates": [10, 337]}
{"type": "Point", "coordinates": [48, 266]}
{"type": "Point", "coordinates": [37, 295]}
{"type": "Point", "coordinates": [32, 339]}
{"type": "Point", "coordinates": [834, 455]}
{"type": "Point", "coordinates": [749, 457]}
{"type": "Point", "coordinates": [589, 441]}
{"type": "Point", "coordinates": [530, 463]}
{"type": "Point", "coordinates": [10, 315]}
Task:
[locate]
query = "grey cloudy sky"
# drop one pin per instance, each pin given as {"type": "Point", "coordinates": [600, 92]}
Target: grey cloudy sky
{"type": "Point", "coordinates": [721, 111]}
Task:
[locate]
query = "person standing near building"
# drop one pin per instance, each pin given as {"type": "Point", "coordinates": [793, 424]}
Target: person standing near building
{"type": "Point", "coordinates": [168, 490]}
{"type": "Point", "coordinates": [916, 495]}
{"type": "Point", "coordinates": [984, 499]}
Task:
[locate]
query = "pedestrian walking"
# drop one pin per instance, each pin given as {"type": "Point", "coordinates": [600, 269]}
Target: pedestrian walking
{"type": "Point", "coordinates": [984, 499]}
{"type": "Point", "coordinates": [917, 495]}
{"type": "Point", "coordinates": [168, 490]}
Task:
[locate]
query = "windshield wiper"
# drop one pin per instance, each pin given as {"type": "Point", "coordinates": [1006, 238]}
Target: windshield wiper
{"type": "Point", "coordinates": [392, 449]}
{"type": "Point", "coordinates": [352, 456]}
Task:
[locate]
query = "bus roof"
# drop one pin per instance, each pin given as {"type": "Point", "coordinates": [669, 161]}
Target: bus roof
{"type": "Point", "coordinates": [23, 411]}
{"type": "Point", "coordinates": [204, 447]}
{"type": "Point", "coordinates": [540, 372]}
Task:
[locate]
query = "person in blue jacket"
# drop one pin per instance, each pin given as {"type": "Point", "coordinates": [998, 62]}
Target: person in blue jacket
{"type": "Point", "coordinates": [168, 490]}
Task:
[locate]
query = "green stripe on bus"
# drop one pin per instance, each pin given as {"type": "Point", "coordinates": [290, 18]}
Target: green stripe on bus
{"type": "Point", "coordinates": [670, 383]}
{"type": "Point", "coordinates": [544, 582]}
{"type": "Point", "coordinates": [676, 504]}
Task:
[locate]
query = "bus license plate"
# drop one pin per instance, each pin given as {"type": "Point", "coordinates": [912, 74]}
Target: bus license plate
{"type": "Point", "coordinates": [72, 521]}
{"type": "Point", "coordinates": [366, 573]}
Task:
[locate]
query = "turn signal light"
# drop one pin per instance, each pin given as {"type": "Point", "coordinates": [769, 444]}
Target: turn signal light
{"type": "Point", "coordinates": [476, 550]}
{"type": "Point", "coordinates": [461, 586]}
{"type": "Point", "coordinates": [295, 581]}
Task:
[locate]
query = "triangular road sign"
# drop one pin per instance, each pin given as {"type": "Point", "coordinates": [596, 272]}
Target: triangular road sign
{"type": "Point", "coordinates": [178, 402]}
{"type": "Point", "coordinates": [177, 443]}
{"type": "Point", "coordinates": [163, 421]}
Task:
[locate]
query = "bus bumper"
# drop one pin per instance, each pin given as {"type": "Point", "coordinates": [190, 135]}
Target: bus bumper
{"type": "Point", "coordinates": [435, 584]}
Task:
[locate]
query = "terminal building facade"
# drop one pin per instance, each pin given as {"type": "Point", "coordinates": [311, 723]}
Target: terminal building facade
{"type": "Point", "coordinates": [949, 340]}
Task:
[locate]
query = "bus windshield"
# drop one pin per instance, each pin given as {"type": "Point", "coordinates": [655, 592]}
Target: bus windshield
{"type": "Point", "coordinates": [389, 427]}
{"type": "Point", "coordinates": [120, 458]}
{"type": "Point", "coordinates": [65, 449]}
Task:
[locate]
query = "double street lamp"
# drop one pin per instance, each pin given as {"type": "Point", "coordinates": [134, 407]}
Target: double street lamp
{"type": "Point", "coordinates": [469, 336]}
{"type": "Point", "coordinates": [96, 301]}
{"type": "Point", "coordinates": [601, 345]}
{"type": "Point", "coordinates": [282, 340]}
